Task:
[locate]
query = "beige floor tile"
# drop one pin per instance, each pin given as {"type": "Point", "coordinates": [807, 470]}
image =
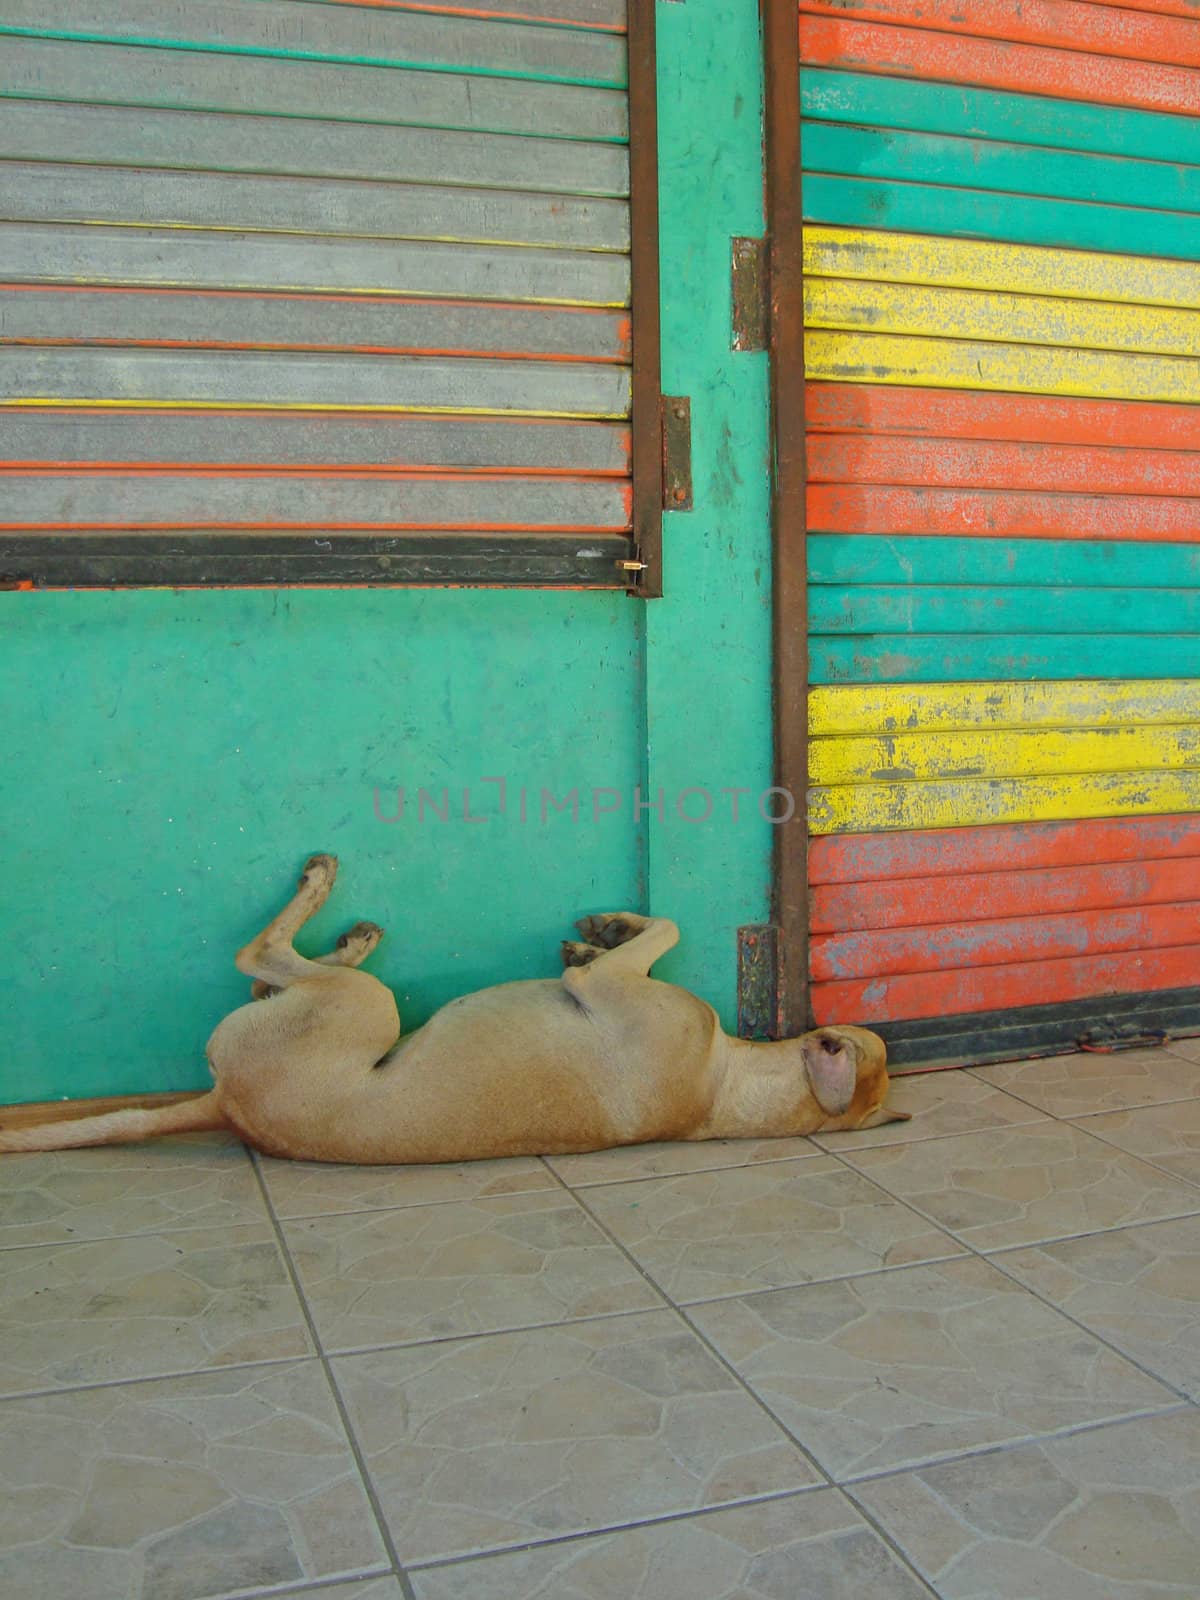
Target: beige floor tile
{"type": "Point", "coordinates": [901, 1367]}
{"type": "Point", "coordinates": [112, 1309]}
{"type": "Point", "coordinates": [1139, 1288]}
{"type": "Point", "coordinates": [941, 1103]}
{"type": "Point", "coordinates": [1189, 1049]}
{"type": "Point", "coordinates": [661, 1160]}
{"type": "Point", "coordinates": [807, 1547]}
{"type": "Point", "coordinates": [1071, 1086]}
{"type": "Point", "coordinates": [1022, 1185]}
{"type": "Point", "coordinates": [1169, 1136]}
{"type": "Point", "coordinates": [714, 1233]}
{"type": "Point", "coordinates": [202, 1181]}
{"type": "Point", "coordinates": [315, 1188]}
{"type": "Point", "coordinates": [181, 1488]}
{"type": "Point", "coordinates": [1110, 1514]}
{"type": "Point", "coordinates": [426, 1272]}
{"type": "Point", "coordinates": [479, 1443]}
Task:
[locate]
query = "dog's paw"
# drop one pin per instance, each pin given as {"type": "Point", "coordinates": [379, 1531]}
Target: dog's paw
{"type": "Point", "coordinates": [362, 936]}
{"type": "Point", "coordinates": [611, 928]}
{"type": "Point", "coordinates": [577, 954]}
{"type": "Point", "coordinates": [319, 872]}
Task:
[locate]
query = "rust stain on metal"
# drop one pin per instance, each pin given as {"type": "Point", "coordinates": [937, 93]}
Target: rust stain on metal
{"type": "Point", "coordinates": [750, 278]}
{"type": "Point", "coordinates": [677, 452]}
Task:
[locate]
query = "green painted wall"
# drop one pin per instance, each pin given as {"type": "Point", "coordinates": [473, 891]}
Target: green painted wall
{"type": "Point", "coordinates": [172, 758]}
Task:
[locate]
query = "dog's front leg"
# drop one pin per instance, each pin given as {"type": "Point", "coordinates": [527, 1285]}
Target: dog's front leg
{"type": "Point", "coordinates": [351, 950]}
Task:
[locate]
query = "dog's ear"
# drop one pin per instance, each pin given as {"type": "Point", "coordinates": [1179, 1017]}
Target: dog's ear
{"type": "Point", "coordinates": [882, 1114]}
{"type": "Point", "coordinates": [832, 1067]}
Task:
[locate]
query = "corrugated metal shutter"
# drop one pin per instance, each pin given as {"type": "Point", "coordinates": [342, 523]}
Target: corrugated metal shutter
{"type": "Point", "coordinates": [306, 290]}
{"type": "Point", "coordinates": [1002, 200]}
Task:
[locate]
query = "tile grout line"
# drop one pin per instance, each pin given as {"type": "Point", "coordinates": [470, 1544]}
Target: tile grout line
{"type": "Point", "coordinates": [980, 1255]}
{"type": "Point", "coordinates": [356, 1452]}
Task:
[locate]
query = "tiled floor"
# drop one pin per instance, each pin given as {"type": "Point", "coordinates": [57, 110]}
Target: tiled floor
{"type": "Point", "coordinates": [955, 1357]}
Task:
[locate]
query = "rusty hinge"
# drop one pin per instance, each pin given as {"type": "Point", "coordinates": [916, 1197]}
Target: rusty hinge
{"type": "Point", "coordinates": [750, 294]}
{"type": "Point", "coordinates": [757, 980]}
{"type": "Point", "coordinates": [677, 452]}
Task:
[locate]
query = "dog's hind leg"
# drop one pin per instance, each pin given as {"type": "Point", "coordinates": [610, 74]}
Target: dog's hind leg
{"type": "Point", "coordinates": [270, 957]}
{"type": "Point", "coordinates": [351, 950]}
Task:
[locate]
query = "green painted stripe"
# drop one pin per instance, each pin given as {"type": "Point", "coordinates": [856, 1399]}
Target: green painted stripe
{"type": "Point", "coordinates": [993, 114]}
{"type": "Point", "coordinates": [1013, 168]}
{"type": "Point", "coordinates": [836, 558]}
{"type": "Point", "coordinates": [966, 657]}
{"type": "Point", "coordinates": [1012, 219]}
{"type": "Point", "coordinates": [215, 47]}
{"type": "Point", "coordinates": [896, 608]}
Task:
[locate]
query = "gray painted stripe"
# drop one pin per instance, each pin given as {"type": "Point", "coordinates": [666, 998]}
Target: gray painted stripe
{"type": "Point", "coordinates": [293, 439]}
{"type": "Point", "coordinates": [83, 316]}
{"type": "Point", "coordinates": [130, 75]}
{"type": "Point", "coordinates": [41, 130]}
{"type": "Point", "coordinates": [212, 501]}
{"type": "Point", "coordinates": [71, 254]}
{"type": "Point", "coordinates": [213, 377]}
{"type": "Point", "coordinates": [39, 192]}
{"type": "Point", "coordinates": [569, 13]}
{"type": "Point", "coordinates": [411, 38]}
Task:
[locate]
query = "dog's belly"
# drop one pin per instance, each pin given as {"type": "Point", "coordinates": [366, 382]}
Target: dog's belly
{"type": "Point", "coordinates": [524, 1069]}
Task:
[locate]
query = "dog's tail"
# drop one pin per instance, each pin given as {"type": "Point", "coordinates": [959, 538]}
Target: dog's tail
{"type": "Point", "coordinates": [201, 1115]}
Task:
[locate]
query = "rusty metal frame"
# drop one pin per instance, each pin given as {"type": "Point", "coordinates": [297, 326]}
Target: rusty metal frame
{"type": "Point", "coordinates": [781, 132]}
{"type": "Point", "coordinates": [645, 314]}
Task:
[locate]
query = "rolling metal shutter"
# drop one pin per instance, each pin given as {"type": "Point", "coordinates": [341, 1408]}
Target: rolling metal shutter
{"type": "Point", "coordinates": [1002, 209]}
{"type": "Point", "coordinates": [316, 291]}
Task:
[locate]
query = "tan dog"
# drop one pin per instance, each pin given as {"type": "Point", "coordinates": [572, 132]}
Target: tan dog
{"type": "Point", "coordinates": [603, 1056]}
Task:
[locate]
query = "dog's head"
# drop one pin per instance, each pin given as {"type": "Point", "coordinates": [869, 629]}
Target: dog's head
{"type": "Point", "coordinates": [847, 1073]}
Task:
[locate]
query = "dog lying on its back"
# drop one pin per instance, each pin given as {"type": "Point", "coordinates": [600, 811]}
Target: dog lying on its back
{"type": "Point", "coordinates": [316, 1068]}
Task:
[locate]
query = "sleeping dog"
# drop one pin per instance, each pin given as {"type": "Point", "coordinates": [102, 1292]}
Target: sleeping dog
{"type": "Point", "coordinates": [315, 1068]}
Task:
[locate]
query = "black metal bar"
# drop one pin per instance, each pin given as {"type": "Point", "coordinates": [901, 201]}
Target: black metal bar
{"type": "Point", "coordinates": [647, 363]}
{"type": "Point", "coordinates": [781, 49]}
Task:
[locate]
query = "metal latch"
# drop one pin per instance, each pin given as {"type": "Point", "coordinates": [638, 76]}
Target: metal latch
{"type": "Point", "coordinates": [677, 452]}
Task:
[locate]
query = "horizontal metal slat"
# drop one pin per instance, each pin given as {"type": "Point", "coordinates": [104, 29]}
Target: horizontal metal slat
{"type": "Point", "coordinates": [300, 440]}
{"type": "Point", "coordinates": [128, 196]}
{"type": "Point", "coordinates": [854, 558]}
{"type": "Point", "coordinates": [64, 253]}
{"type": "Point", "coordinates": [113, 500]}
{"type": "Point", "coordinates": [374, 34]}
{"type": "Point", "coordinates": [925, 609]}
{"type": "Point", "coordinates": [889, 709]}
{"type": "Point", "coordinates": [47, 130]}
{"type": "Point", "coordinates": [132, 75]}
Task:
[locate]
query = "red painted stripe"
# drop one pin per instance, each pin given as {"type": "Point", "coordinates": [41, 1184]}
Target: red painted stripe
{"type": "Point", "coordinates": [923, 903]}
{"type": "Point", "coordinates": [955, 946]}
{"type": "Point", "coordinates": [977, 897]}
{"type": "Point", "coordinates": [972, 414]}
{"type": "Point", "coordinates": [287, 469]}
{"type": "Point", "coordinates": [996, 64]}
{"type": "Point", "coordinates": [1068, 24]}
{"type": "Point", "coordinates": [1031, 983]}
{"type": "Point", "coordinates": [992, 464]}
{"type": "Point", "coordinates": [998, 514]}
{"type": "Point", "coordinates": [313, 527]}
{"type": "Point", "coordinates": [1163, 8]}
{"type": "Point", "coordinates": [1002, 848]}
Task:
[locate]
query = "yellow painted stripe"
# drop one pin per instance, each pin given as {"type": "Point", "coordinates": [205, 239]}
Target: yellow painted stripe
{"type": "Point", "coordinates": [880, 807]}
{"type": "Point", "coordinates": [1082, 703]}
{"type": "Point", "coordinates": [1002, 753]}
{"type": "Point", "coordinates": [75, 401]}
{"type": "Point", "coordinates": [1021, 269]}
{"type": "Point", "coordinates": [1006, 318]}
{"type": "Point", "coordinates": [1022, 369]}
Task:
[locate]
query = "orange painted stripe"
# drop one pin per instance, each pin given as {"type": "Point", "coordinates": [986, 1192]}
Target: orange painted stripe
{"type": "Point", "coordinates": [1067, 24]}
{"type": "Point", "coordinates": [286, 469]}
{"type": "Point", "coordinates": [998, 514]}
{"type": "Point", "coordinates": [1003, 847]}
{"type": "Point", "coordinates": [996, 64]}
{"type": "Point", "coordinates": [1164, 8]}
{"type": "Point", "coordinates": [548, 20]}
{"type": "Point", "coordinates": [952, 947]}
{"type": "Point", "coordinates": [992, 464]}
{"type": "Point", "coordinates": [314, 527]}
{"type": "Point", "coordinates": [975, 414]}
{"type": "Point", "coordinates": [1031, 983]}
{"type": "Point", "coordinates": [980, 896]}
